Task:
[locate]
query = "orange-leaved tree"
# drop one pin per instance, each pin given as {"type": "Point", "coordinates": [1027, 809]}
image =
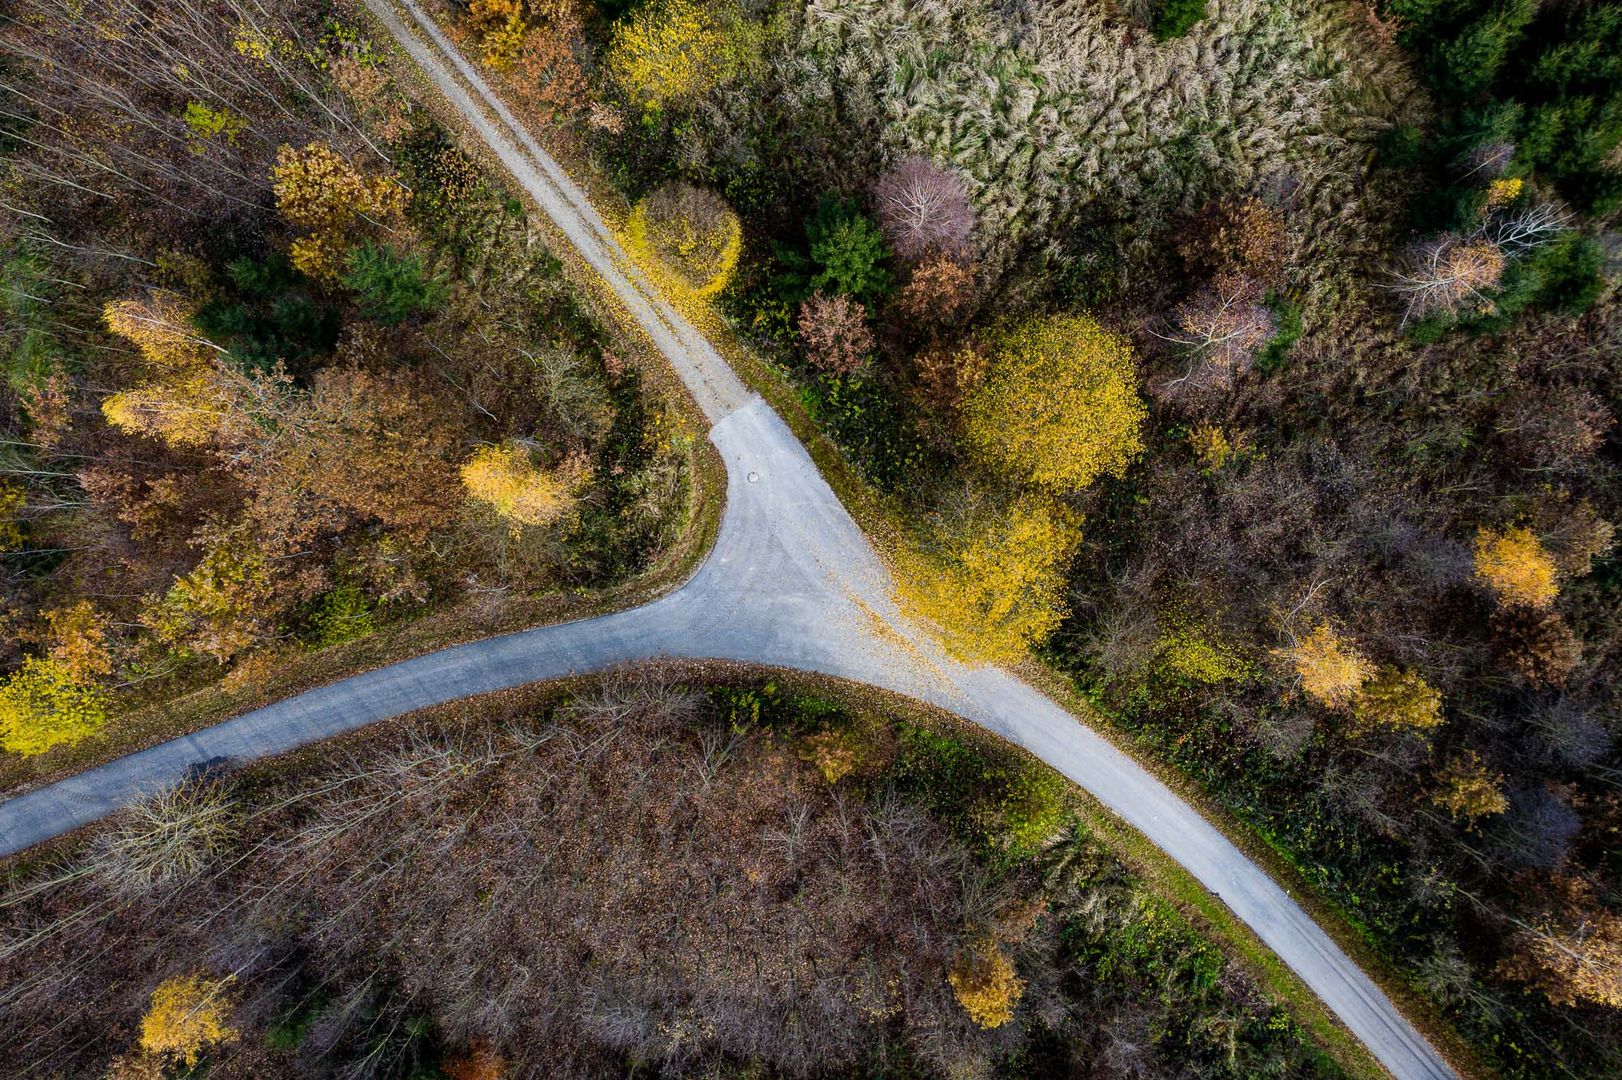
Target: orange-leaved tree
{"type": "Point", "coordinates": [1328, 666]}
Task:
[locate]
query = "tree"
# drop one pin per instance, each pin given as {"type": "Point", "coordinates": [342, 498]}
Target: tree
{"type": "Point", "coordinates": [939, 291]}
{"type": "Point", "coordinates": [1330, 669]}
{"type": "Point", "coordinates": [1396, 700]}
{"type": "Point", "coordinates": [1573, 957]}
{"type": "Point", "coordinates": [42, 705]}
{"type": "Point", "coordinates": [833, 330]}
{"type": "Point", "coordinates": [230, 601]}
{"type": "Point", "coordinates": [1537, 645]}
{"type": "Point", "coordinates": [1059, 406]}
{"type": "Point", "coordinates": [848, 253]}
{"type": "Point", "coordinates": [985, 984]}
{"type": "Point", "coordinates": [923, 209]}
{"type": "Point", "coordinates": [320, 192]}
{"type": "Point", "coordinates": [505, 479]}
{"type": "Point", "coordinates": [1515, 566]}
{"type": "Point", "coordinates": [188, 1015]}
{"type": "Point", "coordinates": [159, 324]}
{"type": "Point", "coordinates": [1447, 274]}
{"type": "Point", "coordinates": [1223, 326]}
{"type": "Point", "coordinates": [670, 53]}
{"type": "Point", "coordinates": [1467, 790]}
{"type": "Point", "coordinates": [947, 374]}
{"type": "Point", "coordinates": [996, 586]}
{"type": "Point", "coordinates": [393, 286]}
{"type": "Point", "coordinates": [500, 25]}
{"type": "Point", "coordinates": [690, 232]}
{"type": "Point", "coordinates": [77, 639]}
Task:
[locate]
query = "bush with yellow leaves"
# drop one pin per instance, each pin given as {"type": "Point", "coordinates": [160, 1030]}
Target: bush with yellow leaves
{"type": "Point", "coordinates": [1059, 405]}
{"type": "Point", "coordinates": [320, 192]}
{"type": "Point", "coordinates": [996, 587]}
{"type": "Point", "coordinates": [671, 52]}
{"type": "Point", "coordinates": [506, 480]}
{"type": "Point", "coordinates": [985, 984]}
{"type": "Point", "coordinates": [188, 1015]}
{"type": "Point", "coordinates": [689, 232]}
{"type": "Point", "coordinates": [1467, 790]}
{"type": "Point", "coordinates": [1514, 564]}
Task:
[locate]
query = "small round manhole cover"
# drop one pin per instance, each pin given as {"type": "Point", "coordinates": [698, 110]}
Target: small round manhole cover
{"type": "Point", "coordinates": [754, 478]}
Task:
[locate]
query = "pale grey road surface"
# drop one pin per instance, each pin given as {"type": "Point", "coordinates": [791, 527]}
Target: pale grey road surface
{"type": "Point", "coordinates": [791, 582]}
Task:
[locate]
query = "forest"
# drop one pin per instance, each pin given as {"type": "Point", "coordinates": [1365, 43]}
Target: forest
{"type": "Point", "coordinates": [285, 368]}
{"type": "Point", "coordinates": [800, 885]}
{"type": "Point", "coordinates": [1250, 365]}
{"type": "Point", "coordinates": [1254, 363]}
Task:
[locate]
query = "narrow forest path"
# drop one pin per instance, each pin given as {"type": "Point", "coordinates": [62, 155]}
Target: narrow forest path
{"type": "Point", "coordinates": [792, 582]}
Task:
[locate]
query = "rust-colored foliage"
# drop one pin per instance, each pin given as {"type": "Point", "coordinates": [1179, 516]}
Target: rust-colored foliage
{"type": "Point", "coordinates": [833, 330]}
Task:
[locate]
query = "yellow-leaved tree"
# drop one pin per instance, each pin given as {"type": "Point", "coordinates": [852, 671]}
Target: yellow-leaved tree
{"type": "Point", "coordinates": [688, 232]}
{"type": "Point", "coordinates": [1516, 566]}
{"type": "Point", "coordinates": [1396, 700]}
{"type": "Point", "coordinates": [671, 52]}
{"type": "Point", "coordinates": [158, 323]}
{"type": "Point", "coordinates": [226, 604]}
{"type": "Point", "coordinates": [320, 192]}
{"type": "Point", "coordinates": [43, 704]}
{"type": "Point", "coordinates": [1467, 790]}
{"type": "Point", "coordinates": [1329, 667]}
{"type": "Point", "coordinates": [506, 480]}
{"type": "Point", "coordinates": [1058, 406]}
{"type": "Point", "coordinates": [188, 1014]}
{"type": "Point", "coordinates": [995, 586]}
{"type": "Point", "coordinates": [985, 984]}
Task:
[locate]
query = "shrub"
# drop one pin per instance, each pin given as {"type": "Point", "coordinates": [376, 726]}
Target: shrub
{"type": "Point", "coordinates": [1446, 275]}
{"type": "Point", "coordinates": [505, 479]}
{"type": "Point", "coordinates": [923, 209]}
{"type": "Point", "coordinates": [1059, 406]}
{"type": "Point", "coordinates": [833, 330]}
{"type": "Point", "coordinates": [690, 232]}
{"type": "Point", "coordinates": [166, 839]}
{"type": "Point", "coordinates": [1236, 238]}
{"type": "Point", "coordinates": [392, 286]}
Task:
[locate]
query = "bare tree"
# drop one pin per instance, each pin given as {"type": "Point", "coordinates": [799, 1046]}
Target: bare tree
{"type": "Point", "coordinates": [923, 209]}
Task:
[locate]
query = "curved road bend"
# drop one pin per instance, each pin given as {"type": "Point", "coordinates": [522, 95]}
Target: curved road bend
{"type": "Point", "coordinates": [791, 582]}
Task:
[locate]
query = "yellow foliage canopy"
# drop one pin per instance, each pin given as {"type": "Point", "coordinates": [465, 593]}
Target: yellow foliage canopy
{"type": "Point", "coordinates": [1468, 791]}
{"type": "Point", "coordinates": [997, 588]}
{"type": "Point", "coordinates": [78, 641]}
{"type": "Point", "coordinates": [159, 325]}
{"type": "Point", "coordinates": [691, 233]}
{"type": "Point", "coordinates": [318, 191]}
{"type": "Point", "coordinates": [1514, 564]}
{"type": "Point", "coordinates": [671, 52]}
{"type": "Point", "coordinates": [43, 705]}
{"type": "Point", "coordinates": [1396, 700]}
{"type": "Point", "coordinates": [184, 411]}
{"type": "Point", "coordinates": [505, 479]}
{"type": "Point", "coordinates": [224, 605]}
{"type": "Point", "coordinates": [1330, 669]}
{"type": "Point", "coordinates": [1059, 406]}
{"type": "Point", "coordinates": [187, 1016]}
{"type": "Point", "coordinates": [1581, 962]}
{"type": "Point", "coordinates": [985, 984]}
